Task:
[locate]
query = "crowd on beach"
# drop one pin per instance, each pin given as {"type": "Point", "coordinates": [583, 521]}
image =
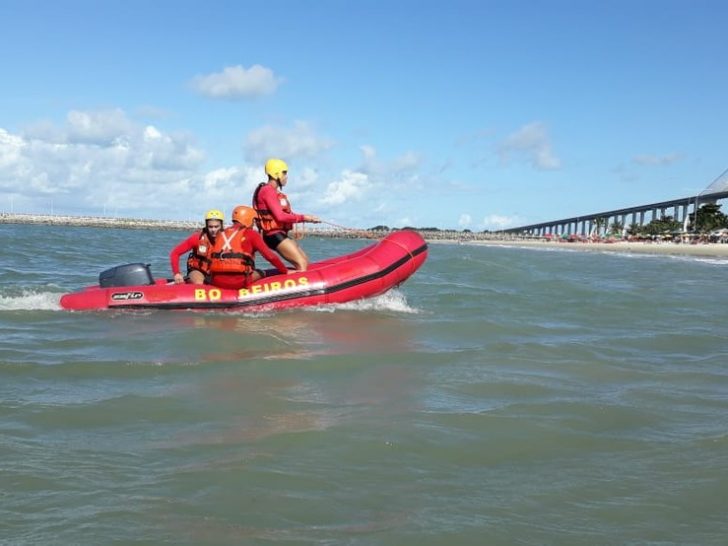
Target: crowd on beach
{"type": "Point", "coordinates": [718, 236]}
{"type": "Point", "coordinates": [707, 245]}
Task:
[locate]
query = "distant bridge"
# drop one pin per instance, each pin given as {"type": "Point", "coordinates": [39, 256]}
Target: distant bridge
{"type": "Point", "coordinates": [681, 209]}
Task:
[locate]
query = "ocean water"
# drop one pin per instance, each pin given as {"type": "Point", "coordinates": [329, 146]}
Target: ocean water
{"type": "Point", "coordinates": [499, 396]}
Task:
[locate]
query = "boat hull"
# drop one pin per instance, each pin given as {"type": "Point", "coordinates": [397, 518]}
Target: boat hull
{"type": "Point", "coordinates": [365, 273]}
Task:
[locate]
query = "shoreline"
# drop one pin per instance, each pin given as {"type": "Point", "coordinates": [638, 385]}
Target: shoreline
{"type": "Point", "coordinates": [438, 237]}
{"type": "Point", "coordinates": [705, 250]}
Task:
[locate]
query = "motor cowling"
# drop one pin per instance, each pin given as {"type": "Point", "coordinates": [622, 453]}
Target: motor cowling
{"type": "Point", "coordinates": [126, 275]}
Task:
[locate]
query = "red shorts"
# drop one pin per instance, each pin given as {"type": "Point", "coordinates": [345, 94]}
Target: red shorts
{"type": "Point", "coordinates": [230, 280]}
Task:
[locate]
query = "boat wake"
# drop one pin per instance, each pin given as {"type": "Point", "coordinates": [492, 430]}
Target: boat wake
{"type": "Point", "coordinates": [394, 300]}
{"type": "Point", "coordinates": [39, 300]}
{"type": "Point", "coordinates": [29, 300]}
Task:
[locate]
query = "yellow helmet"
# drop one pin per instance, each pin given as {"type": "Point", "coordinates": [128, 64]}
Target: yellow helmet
{"type": "Point", "coordinates": [244, 215]}
{"type": "Point", "coordinates": [214, 214]}
{"type": "Point", "coordinates": [275, 168]}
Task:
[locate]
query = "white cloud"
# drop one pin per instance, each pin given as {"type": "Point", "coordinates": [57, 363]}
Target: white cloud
{"type": "Point", "coordinates": [408, 161]}
{"type": "Point", "coordinates": [465, 220]}
{"type": "Point", "coordinates": [369, 152]}
{"type": "Point", "coordinates": [405, 163]}
{"type": "Point", "coordinates": [151, 133]}
{"type": "Point", "coordinates": [530, 143]}
{"type": "Point", "coordinates": [647, 159]}
{"type": "Point", "coordinates": [215, 181]}
{"type": "Point", "coordinates": [95, 162]}
{"type": "Point", "coordinates": [230, 186]}
{"type": "Point", "coordinates": [369, 179]}
{"type": "Point", "coordinates": [495, 222]}
{"type": "Point", "coordinates": [11, 148]}
{"type": "Point", "coordinates": [306, 179]}
{"type": "Point", "coordinates": [98, 158]}
{"type": "Point", "coordinates": [370, 163]}
{"type": "Point", "coordinates": [237, 82]}
{"type": "Point", "coordinates": [108, 161]}
{"type": "Point", "coordinates": [298, 141]}
{"type": "Point", "coordinates": [97, 127]}
{"type": "Point", "coordinates": [351, 186]}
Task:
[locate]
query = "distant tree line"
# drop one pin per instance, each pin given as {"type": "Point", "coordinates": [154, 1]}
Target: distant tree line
{"type": "Point", "coordinates": [386, 228]}
{"type": "Point", "coordinates": [709, 218]}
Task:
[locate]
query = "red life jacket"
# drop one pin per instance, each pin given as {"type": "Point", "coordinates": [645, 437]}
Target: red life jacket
{"type": "Point", "coordinates": [199, 257]}
{"type": "Point", "coordinates": [229, 255]}
{"type": "Point", "coordinates": [265, 221]}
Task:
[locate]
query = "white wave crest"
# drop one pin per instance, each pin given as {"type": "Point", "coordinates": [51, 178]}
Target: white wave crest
{"type": "Point", "coordinates": [713, 261]}
{"type": "Point", "coordinates": [30, 300]}
{"type": "Point", "coordinates": [394, 300]}
{"type": "Point", "coordinates": [719, 261]}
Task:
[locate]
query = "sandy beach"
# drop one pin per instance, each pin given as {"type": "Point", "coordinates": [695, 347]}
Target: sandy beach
{"type": "Point", "coordinates": [667, 248]}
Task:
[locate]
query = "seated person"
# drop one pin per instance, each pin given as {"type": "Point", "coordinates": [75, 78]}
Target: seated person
{"type": "Point", "coordinates": [232, 261]}
{"type": "Point", "coordinates": [199, 245]}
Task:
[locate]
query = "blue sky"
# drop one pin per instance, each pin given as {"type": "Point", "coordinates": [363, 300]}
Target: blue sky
{"type": "Point", "coordinates": [478, 115]}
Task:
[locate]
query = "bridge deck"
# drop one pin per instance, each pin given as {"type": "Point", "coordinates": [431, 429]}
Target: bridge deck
{"type": "Point", "coordinates": [683, 201]}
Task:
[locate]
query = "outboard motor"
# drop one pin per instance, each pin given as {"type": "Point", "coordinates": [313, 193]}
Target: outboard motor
{"type": "Point", "coordinates": [126, 275]}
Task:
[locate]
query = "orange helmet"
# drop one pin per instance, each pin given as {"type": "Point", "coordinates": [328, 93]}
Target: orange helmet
{"type": "Point", "coordinates": [244, 215]}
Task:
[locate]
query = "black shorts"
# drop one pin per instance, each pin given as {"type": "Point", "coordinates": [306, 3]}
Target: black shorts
{"type": "Point", "coordinates": [274, 239]}
{"type": "Point", "coordinates": [191, 269]}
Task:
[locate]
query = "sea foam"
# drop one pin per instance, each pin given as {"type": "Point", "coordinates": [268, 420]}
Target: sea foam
{"type": "Point", "coordinates": [30, 300]}
{"type": "Point", "coordinates": [394, 300]}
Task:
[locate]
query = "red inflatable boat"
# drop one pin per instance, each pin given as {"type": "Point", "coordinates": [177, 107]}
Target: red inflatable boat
{"type": "Point", "coordinates": [368, 272]}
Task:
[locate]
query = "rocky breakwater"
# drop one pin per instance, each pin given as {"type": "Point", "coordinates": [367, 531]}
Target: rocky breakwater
{"type": "Point", "coordinates": [308, 230]}
{"type": "Point", "coordinates": [97, 221]}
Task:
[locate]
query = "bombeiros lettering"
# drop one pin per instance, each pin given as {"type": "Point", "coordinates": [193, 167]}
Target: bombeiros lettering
{"type": "Point", "coordinates": [215, 294]}
{"type": "Point", "coordinates": [208, 294]}
{"type": "Point", "coordinates": [274, 286]}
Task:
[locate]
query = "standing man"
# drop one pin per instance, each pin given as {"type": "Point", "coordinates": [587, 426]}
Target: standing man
{"type": "Point", "coordinates": [275, 217]}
